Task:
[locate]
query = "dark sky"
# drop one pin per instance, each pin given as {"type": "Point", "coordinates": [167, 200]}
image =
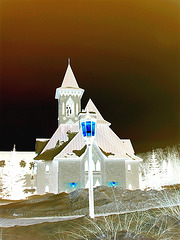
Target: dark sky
{"type": "Point", "coordinates": [124, 53]}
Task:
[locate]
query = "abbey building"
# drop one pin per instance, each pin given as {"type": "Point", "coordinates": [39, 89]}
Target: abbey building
{"type": "Point", "coordinates": [61, 161]}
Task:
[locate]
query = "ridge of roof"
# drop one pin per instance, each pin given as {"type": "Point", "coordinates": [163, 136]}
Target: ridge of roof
{"type": "Point", "coordinates": [69, 80]}
{"type": "Point", "coordinates": [90, 107]}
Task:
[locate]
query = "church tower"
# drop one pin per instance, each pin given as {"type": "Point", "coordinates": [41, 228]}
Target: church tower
{"type": "Point", "coordinates": [69, 98]}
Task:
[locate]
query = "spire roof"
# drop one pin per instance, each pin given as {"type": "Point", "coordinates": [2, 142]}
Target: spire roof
{"type": "Point", "coordinates": [69, 80]}
{"type": "Point", "coordinates": [90, 107]}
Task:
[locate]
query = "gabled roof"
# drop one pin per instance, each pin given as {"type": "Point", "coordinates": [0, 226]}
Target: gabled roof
{"type": "Point", "coordinates": [69, 80]}
{"type": "Point", "coordinates": [106, 140]}
{"type": "Point", "coordinates": [90, 107]}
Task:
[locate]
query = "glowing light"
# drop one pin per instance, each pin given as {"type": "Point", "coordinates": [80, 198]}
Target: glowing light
{"type": "Point", "coordinates": [73, 184]}
{"type": "Point", "coordinates": [113, 184]}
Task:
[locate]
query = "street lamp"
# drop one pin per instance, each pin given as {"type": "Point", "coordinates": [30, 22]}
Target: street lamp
{"type": "Point", "coordinates": [88, 125]}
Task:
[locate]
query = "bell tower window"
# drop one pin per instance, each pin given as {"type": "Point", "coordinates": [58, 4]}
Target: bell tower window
{"type": "Point", "coordinates": [70, 107]}
{"type": "Point", "coordinates": [68, 111]}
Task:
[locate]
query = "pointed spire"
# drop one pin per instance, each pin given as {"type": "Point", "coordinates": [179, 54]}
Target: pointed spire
{"type": "Point", "coordinates": [69, 80]}
{"type": "Point", "coordinates": [90, 107]}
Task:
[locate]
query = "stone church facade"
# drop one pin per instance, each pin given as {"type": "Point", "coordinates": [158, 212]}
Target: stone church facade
{"type": "Point", "coordinates": [61, 161]}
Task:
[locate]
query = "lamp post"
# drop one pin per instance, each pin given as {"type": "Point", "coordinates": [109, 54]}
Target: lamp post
{"type": "Point", "coordinates": [88, 127]}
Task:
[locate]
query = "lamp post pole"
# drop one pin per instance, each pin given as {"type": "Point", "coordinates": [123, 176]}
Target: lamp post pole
{"type": "Point", "coordinates": [90, 177]}
{"type": "Point", "coordinates": [88, 126]}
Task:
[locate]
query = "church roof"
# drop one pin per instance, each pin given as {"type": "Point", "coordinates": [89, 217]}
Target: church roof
{"type": "Point", "coordinates": [90, 107]}
{"type": "Point", "coordinates": [69, 80]}
{"type": "Point", "coordinates": [106, 140]}
{"type": "Point", "coordinates": [63, 146]}
{"type": "Point", "coordinates": [61, 135]}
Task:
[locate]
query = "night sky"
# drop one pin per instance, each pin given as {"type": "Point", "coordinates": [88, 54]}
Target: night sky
{"type": "Point", "coordinates": [125, 54]}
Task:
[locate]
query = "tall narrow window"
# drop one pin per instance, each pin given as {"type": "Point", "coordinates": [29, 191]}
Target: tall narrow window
{"type": "Point", "coordinates": [93, 166]}
{"type": "Point", "coordinates": [98, 166]}
{"type": "Point", "coordinates": [86, 165]}
{"type": "Point", "coordinates": [69, 107]}
{"type": "Point", "coordinates": [130, 186]}
{"type": "Point", "coordinates": [47, 169]}
{"type": "Point", "coordinates": [46, 189]}
{"type": "Point", "coordinates": [129, 168]}
{"type": "Point", "coordinates": [63, 108]}
{"type": "Point", "coordinates": [77, 110]}
{"type": "Point", "coordinates": [97, 184]}
{"type": "Point", "coordinates": [87, 184]}
{"type": "Point", "coordinates": [68, 110]}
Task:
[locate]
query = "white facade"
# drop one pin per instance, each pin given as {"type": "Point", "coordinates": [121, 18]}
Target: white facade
{"type": "Point", "coordinates": [114, 160]}
{"type": "Point", "coordinates": [61, 161]}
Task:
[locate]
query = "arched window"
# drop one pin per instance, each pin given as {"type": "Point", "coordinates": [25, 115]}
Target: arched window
{"type": "Point", "coordinates": [47, 169]}
{"type": "Point", "coordinates": [46, 189]}
{"type": "Point", "coordinates": [93, 166]}
{"type": "Point", "coordinates": [129, 167]}
{"type": "Point", "coordinates": [98, 166]}
{"type": "Point", "coordinates": [87, 184]}
{"type": "Point", "coordinates": [86, 165]}
{"type": "Point", "coordinates": [97, 184]}
{"type": "Point", "coordinates": [69, 107]}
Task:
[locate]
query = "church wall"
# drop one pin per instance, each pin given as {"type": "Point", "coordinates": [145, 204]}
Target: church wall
{"type": "Point", "coordinates": [98, 168]}
{"type": "Point", "coordinates": [114, 171]}
{"type": "Point", "coordinates": [69, 175]}
{"type": "Point", "coordinates": [132, 174]}
{"type": "Point", "coordinates": [47, 177]}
